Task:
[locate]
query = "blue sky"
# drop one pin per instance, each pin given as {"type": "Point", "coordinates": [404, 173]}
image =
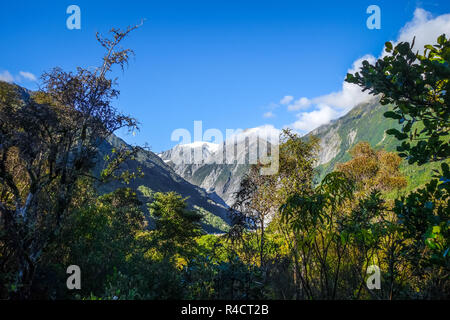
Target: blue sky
{"type": "Point", "coordinates": [226, 63]}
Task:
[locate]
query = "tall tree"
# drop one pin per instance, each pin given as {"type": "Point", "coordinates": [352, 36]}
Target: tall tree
{"type": "Point", "coordinates": [48, 142]}
{"type": "Point", "coordinates": [253, 208]}
{"type": "Point", "coordinates": [176, 227]}
{"type": "Point", "coordinates": [418, 88]}
{"type": "Point", "coordinates": [373, 170]}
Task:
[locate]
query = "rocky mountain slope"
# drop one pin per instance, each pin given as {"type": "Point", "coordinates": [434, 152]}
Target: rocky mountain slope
{"type": "Point", "coordinates": [160, 177]}
{"type": "Point", "coordinates": [221, 168]}
{"type": "Point", "coordinates": [365, 122]}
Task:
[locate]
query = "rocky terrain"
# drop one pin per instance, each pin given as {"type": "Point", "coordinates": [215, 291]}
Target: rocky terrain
{"type": "Point", "coordinates": [221, 168]}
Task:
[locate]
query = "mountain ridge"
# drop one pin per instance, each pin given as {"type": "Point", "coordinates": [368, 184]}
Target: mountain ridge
{"type": "Point", "coordinates": [160, 177]}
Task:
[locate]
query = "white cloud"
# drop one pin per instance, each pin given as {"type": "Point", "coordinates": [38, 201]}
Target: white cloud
{"type": "Point", "coordinates": [308, 121]}
{"type": "Point", "coordinates": [263, 132]}
{"type": "Point", "coordinates": [28, 75]}
{"type": "Point", "coordinates": [350, 95]}
{"type": "Point", "coordinates": [330, 106]}
{"type": "Point", "coordinates": [299, 104]}
{"type": "Point", "coordinates": [23, 75]}
{"type": "Point", "coordinates": [425, 28]}
{"type": "Point", "coordinates": [286, 99]}
{"type": "Point", "coordinates": [6, 76]}
{"type": "Point", "coordinates": [269, 114]}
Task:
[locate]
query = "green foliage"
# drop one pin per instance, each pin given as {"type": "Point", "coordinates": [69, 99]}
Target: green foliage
{"type": "Point", "coordinates": [176, 226]}
{"type": "Point", "coordinates": [212, 222]}
{"type": "Point", "coordinates": [418, 87]}
{"type": "Point", "coordinates": [98, 237]}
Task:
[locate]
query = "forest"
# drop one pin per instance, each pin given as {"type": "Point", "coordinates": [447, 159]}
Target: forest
{"type": "Point", "coordinates": [291, 237]}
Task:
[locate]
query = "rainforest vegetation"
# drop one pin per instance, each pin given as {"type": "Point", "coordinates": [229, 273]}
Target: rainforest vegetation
{"type": "Point", "coordinates": [291, 237]}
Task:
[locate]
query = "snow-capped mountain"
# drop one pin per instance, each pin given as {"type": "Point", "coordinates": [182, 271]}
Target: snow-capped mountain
{"type": "Point", "coordinates": [219, 168]}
